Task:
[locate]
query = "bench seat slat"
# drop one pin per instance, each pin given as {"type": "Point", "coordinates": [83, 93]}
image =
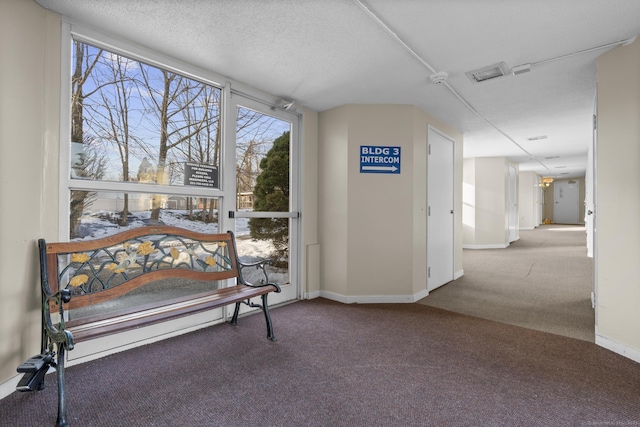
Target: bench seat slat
{"type": "Point", "coordinates": [90, 330]}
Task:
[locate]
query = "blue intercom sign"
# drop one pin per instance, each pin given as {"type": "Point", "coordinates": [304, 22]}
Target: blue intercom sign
{"type": "Point", "coordinates": [378, 159]}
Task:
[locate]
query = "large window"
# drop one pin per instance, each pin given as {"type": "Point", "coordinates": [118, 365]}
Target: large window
{"type": "Point", "coordinates": [155, 141]}
{"type": "Point", "coordinates": [140, 134]}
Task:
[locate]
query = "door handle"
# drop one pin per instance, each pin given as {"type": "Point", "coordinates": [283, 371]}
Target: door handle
{"type": "Point", "coordinates": [589, 212]}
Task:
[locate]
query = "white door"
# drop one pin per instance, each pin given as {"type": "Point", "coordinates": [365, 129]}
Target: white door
{"type": "Point", "coordinates": [539, 197]}
{"type": "Point", "coordinates": [589, 203]}
{"type": "Point", "coordinates": [263, 178]}
{"type": "Point", "coordinates": [565, 202]}
{"type": "Point", "coordinates": [513, 204]}
{"type": "Point", "coordinates": [440, 260]}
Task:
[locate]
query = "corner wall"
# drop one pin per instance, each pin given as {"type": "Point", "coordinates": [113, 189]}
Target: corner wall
{"type": "Point", "coordinates": [527, 200]}
{"type": "Point", "coordinates": [618, 201]}
{"type": "Point", "coordinates": [372, 226]}
{"type": "Point", "coordinates": [485, 203]}
{"type": "Point", "coordinates": [29, 133]}
{"type": "Point", "coordinates": [309, 174]}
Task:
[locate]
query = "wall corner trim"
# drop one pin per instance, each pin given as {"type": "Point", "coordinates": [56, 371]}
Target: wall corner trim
{"type": "Point", "coordinates": [616, 347]}
{"type": "Point", "coordinates": [374, 299]}
{"type": "Point", "coordinates": [492, 246]}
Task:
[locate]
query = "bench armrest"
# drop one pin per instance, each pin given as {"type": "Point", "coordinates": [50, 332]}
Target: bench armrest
{"type": "Point", "coordinates": [260, 265]}
{"type": "Point", "coordinates": [54, 332]}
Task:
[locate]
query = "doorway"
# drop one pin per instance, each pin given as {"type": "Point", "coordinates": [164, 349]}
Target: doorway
{"type": "Point", "coordinates": [513, 204]}
{"type": "Point", "coordinates": [440, 201]}
{"type": "Point", "coordinates": [565, 201]}
{"type": "Point", "coordinates": [262, 177]}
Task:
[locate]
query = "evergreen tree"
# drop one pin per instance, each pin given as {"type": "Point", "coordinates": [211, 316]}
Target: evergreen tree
{"type": "Point", "coordinates": [271, 193]}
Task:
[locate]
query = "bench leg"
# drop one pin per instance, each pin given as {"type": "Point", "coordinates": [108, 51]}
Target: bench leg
{"type": "Point", "coordinates": [62, 407]}
{"type": "Point", "coordinates": [234, 319]}
{"type": "Point", "coordinates": [267, 316]}
{"type": "Point", "coordinates": [265, 309]}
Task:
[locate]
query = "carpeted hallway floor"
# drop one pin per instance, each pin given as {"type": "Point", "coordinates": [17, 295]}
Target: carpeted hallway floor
{"type": "Point", "coordinates": [543, 281]}
{"type": "Point", "coordinates": [348, 365]}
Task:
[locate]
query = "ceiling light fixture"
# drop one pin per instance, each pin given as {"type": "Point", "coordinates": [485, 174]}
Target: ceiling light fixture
{"type": "Point", "coordinates": [546, 181]}
{"type": "Point", "coordinates": [487, 73]}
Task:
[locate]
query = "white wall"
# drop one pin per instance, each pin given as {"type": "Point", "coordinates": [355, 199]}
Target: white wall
{"type": "Point", "coordinates": [373, 226]}
{"type": "Point", "coordinates": [29, 129]}
{"type": "Point", "coordinates": [485, 203]}
{"type": "Point", "coordinates": [332, 199]}
{"type": "Point", "coordinates": [528, 204]}
{"type": "Point", "coordinates": [549, 191]}
{"type": "Point", "coordinates": [618, 201]}
{"type": "Point", "coordinates": [309, 173]}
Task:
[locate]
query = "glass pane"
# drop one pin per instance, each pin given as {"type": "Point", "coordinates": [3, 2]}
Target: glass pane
{"type": "Point", "coordinates": [274, 247]}
{"type": "Point", "coordinates": [100, 214]}
{"type": "Point", "coordinates": [92, 272]}
{"type": "Point", "coordinates": [131, 122]}
{"type": "Point", "coordinates": [263, 182]}
{"type": "Point", "coordinates": [262, 162]}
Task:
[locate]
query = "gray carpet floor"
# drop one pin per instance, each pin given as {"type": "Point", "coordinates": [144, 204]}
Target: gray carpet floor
{"type": "Point", "coordinates": [347, 365]}
{"type": "Point", "coordinates": [543, 281]}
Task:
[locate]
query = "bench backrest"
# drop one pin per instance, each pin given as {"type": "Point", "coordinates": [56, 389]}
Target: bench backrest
{"type": "Point", "coordinates": [98, 270]}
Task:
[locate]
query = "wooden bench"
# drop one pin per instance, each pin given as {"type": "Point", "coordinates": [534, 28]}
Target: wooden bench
{"type": "Point", "coordinates": [95, 288]}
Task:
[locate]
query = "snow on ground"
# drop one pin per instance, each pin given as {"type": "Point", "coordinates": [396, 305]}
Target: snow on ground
{"type": "Point", "coordinates": [98, 225]}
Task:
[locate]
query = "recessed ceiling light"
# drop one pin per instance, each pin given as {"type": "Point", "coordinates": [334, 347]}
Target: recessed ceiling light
{"type": "Point", "coordinates": [552, 157]}
{"type": "Point", "coordinates": [487, 73]}
{"type": "Point", "coordinates": [537, 138]}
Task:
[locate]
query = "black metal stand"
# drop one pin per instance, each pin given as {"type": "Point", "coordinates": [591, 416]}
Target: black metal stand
{"type": "Point", "coordinates": [265, 309]}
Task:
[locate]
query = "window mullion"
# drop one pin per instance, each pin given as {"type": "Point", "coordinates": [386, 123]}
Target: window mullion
{"type": "Point", "coordinates": [133, 187]}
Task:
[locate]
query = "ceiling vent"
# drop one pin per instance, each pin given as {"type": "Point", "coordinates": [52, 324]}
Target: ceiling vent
{"type": "Point", "coordinates": [488, 73]}
{"type": "Point", "coordinates": [537, 138]}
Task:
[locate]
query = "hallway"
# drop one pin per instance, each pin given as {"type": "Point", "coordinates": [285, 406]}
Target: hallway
{"type": "Point", "coordinates": [543, 281]}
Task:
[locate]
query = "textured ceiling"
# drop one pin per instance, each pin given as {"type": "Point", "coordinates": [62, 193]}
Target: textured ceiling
{"type": "Point", "coordinates": [326, 53]}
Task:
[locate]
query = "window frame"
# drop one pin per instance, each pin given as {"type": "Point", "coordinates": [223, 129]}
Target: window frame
{"type": "Point", "coordinates": [226, 193]}
{"type": "Point", "coordinates": [73, 31]}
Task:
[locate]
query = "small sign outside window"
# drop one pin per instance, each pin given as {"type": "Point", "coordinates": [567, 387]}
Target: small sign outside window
{"type": "Point", "coordinates": [200, 175]}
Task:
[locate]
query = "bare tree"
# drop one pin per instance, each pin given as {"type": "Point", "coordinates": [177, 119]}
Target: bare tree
{"type": "Point", "coordinates": [167, 99]}
{"type": "Point", "coordinates": [110, 117]}
{"type": "Point", "coordinates": [255, 132]}
{"type": "Point", "coordinates": [202, 120]}
{"type": "Point", "coordinates": [84, 64]}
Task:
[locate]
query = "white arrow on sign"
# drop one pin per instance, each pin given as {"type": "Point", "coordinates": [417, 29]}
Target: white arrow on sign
{"type": "Point", "coordinates": [380, 168]}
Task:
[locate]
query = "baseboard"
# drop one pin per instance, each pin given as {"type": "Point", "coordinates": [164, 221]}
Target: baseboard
{"type": "Point", "coordinates": [493, 246]}
{"type": "Point", "coordinates": [9, 386]}
{"type": "Point", "coordinates": [422, 294]}
{"type": "Point", "coordinates": [374, 299]}
{"type": "Point", "coordinates": [458, 274]}
{"type": "Point", "coordinates": [311, 295]}
{"type": "Point", "coordinates": [616, 347]}
{"type": "Point", "coordinates": [526, 228]}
